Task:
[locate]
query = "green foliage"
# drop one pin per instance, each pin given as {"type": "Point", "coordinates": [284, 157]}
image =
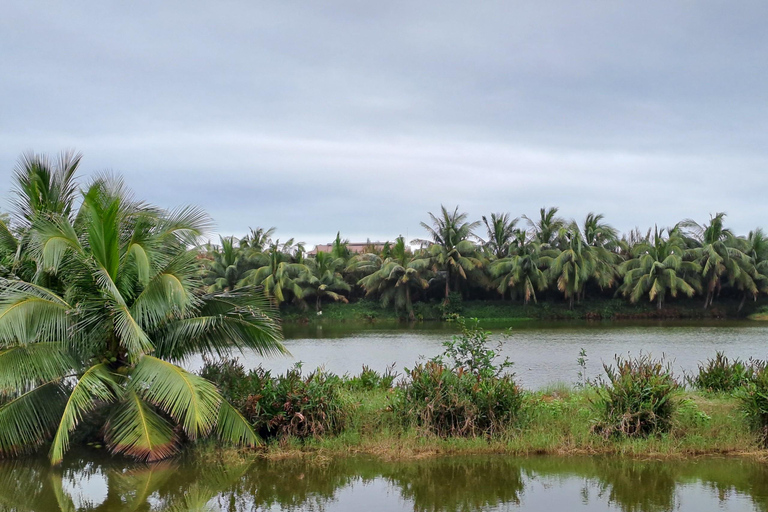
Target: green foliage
{"type": "Point", "coordinates": [369, 379]}
{"type": "Point", "coordinates": [723, 375]}
{"type": "Point", "coordinates": [448, 402]}
{"type": "Point", "coordinates": [637, 399]}
{"type": "Point", "coordinates": [467, 396]}
{"type": "Point", "coordinates": [754, 399]}
{"type": "Point", "coordinates": [289, 405]}
{"type": "Point", "coordinates": [452, 306]}
{"type": "Point", "coordinates": [469, 351]}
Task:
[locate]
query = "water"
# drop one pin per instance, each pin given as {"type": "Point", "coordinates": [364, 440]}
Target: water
{"type": "Point", "coordinates": [544, 352]}
{"type": "Point", "coordinates": [91, 482]}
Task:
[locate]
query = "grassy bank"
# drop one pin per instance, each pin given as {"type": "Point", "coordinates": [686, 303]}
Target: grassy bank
{"type": "Point", "coordinates": [558, 421]}
{"type": "Point", "coordinates": [593, 309]}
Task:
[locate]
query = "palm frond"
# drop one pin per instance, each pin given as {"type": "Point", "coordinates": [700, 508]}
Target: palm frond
{"type": "Point", "coordinates": [190, 400]}
{"type": "Point", "coordinates": [29, 419]}
{"type": "Point", "coordinates": [96, 385]}
{"type": "Point", "coordinates": [136, 430]}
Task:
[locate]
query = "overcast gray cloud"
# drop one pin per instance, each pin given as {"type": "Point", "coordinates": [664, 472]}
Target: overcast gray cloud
{"type": "Point", "coordinates": [362, 116]}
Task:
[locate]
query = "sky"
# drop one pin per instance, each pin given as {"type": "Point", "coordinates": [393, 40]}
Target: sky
{"type": "Point", "coordinates": [362, 117]}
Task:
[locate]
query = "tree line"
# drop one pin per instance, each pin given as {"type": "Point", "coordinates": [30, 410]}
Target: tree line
{"type": "Point", "coordinates": [500, 257]}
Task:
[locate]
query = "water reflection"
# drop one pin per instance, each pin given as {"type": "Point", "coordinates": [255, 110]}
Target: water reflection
{"type": "Point", "coordinates": [493, 483]}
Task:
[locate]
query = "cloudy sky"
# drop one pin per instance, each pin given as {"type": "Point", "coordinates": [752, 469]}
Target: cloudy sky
{"type": "Point", "coordinates": [363, 116]}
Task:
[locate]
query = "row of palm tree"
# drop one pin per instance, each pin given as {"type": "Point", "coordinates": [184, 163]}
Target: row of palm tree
{"type": "Point", "coordinates": [515, 257]}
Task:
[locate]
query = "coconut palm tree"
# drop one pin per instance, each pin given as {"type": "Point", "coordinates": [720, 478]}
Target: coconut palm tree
{"type": "Point", "coordinates": [102, 337]}
{"type": "Point", "coordinates": [523, 272]}
{"type": "Point", "coordinates": [501, 233]}
{"type": "Point", "coordinates": [257, 240]}
{"type": "Point", "coordinates": [323, 278]}
{"type": "Point", "coordinates": [577, 262]}
{"type": "Point", "coordinates": [547, 228]}
{"type": "Point", "coordinates": [396, 276]}
{"type": "Point", "coordinates": [658, 268]}
{"type": "Point", "coordinates": [277, 273]}
{"type": "Point", "coordinates": [449, 247]}
{"type": "Point", "coordinates": [227, 266]}
{"type": "Point", "coordinates": [718, 255]}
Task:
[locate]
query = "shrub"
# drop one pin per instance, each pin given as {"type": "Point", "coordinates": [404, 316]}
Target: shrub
{"type": "Point", "coordinates": [721, 374]}
{"type": "Point", "coordinates": [282, 406]}
{"type": "Point", "coordinates": [636, 400]}
{"type": "Point", "coordinates": [754, 399]}
{"type": "Point", "coordinates": [469, 398]}
{"type": "Point", "coordinates": [371, 379]}
{"type": "Point", "coordinates": [452, 306]}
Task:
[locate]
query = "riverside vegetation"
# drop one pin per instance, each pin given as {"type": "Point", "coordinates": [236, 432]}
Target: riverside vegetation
{"type": "Point", "coordinates": [102, 295]}
{"type": "Point", "coordinates": [466, 401]}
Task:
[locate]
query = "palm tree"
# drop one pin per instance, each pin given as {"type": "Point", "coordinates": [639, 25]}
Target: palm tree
{"type": "Point", "coordinates": [501, 234]}
{"type": "Point", "coordinates": [257, 240]}
{"type": "Point", "coordinates": [578, 262]}
{"type": "Point", "coordinates": [395, 277]}
{"type": "Point", "coordinates": [522, 272]}
{"type": "Point", "coordinates": [277, 273]}
{"type": "Point", "coordinates": [323, 279]}
{"type": "Point", "coordinates": [597, 233]}
{"type": "Point", "coordinates": [227, 266]}
{"type": "Point", "coordinates": [449, 247]}
{"type": "Point", "coordinates": [718, 256]}
{"type": "Point", "coordinates": [547, 228]}
{"type": "Point", "coordinates": [106, 335]}
{"type": "Point", "coordinates": [658, 267]}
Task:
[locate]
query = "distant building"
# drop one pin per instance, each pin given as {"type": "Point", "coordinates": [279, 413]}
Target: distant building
{"type": "Point", "coordinates": [353, 247]}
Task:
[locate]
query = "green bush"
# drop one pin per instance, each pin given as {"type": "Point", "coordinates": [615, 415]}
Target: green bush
{"type": "Point", "coordinates": [282, 406]}
{"type": "Point", "coordinates": [369, 379]}
{"type": "Point", "coordinates": [449, 402]}
{"type": "Point", "coordinates": [754, 399]}
{"type": "Point", "coordinates": [721, 374]}
{"type": "Point", "coordinates": [637, 399]}
{"type": "Point", "coordinates": [452, 306]}
{"type": "Point", "coordinates": [466, 397]}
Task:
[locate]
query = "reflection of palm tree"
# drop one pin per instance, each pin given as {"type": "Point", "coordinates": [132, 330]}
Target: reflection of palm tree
{"type": "Point", "coordinates": [449, 248]}
{"type": "Point", "coordinates": [104, 329]}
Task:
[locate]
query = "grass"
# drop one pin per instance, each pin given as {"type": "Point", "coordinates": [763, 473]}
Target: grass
{"type": "Point", "coordinates": [554, 421]}
{"type": "Point", "coordinates": [365, 310]}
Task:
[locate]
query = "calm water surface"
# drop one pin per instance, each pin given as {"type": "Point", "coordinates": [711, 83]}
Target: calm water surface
{"type": "Point", "coordinates": [491, 483]}
{"type": "Point", "coordinates": [544, 353]}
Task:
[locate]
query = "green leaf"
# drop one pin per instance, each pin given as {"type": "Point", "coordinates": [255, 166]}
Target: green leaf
{"type": "Point", "coordinates": [190, 400]}
{"type": "Point", "coordinates": [96, 385]}
{"type": "Point", "coordinates": [136, 430]}
{"type": "Point", "coordinates": [233, 428]}
{"type": "Point", "coordinates": [29, 419]}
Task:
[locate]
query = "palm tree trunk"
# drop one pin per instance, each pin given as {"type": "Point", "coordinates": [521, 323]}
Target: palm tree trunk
{"type": "Point", "coordinates": [659, 301]}
{"type": "Point", "coordinates": [743, 300]}
{"type": "Point", "coordinates": [318, 303]}
{"type": "Point", "coordinates": [408, 305]}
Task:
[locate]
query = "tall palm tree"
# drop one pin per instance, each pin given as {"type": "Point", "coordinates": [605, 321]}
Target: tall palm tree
{"type": "Point", "coordinates": [323, 279]}
{"type": "Point", "coordinates": [257, 240]}
{"type": "Point", "coordinates": [449, 246]}
{"type": "Point", "coordinates": [577, 262]}
{"type": "Point", "coordinates": [547, 228]}
{"type": "Point", "coordinates": [106, 334]}
{"type": "Point", "coordinates": [597, 233]}
{"type": "Point", "coordinates": [523, 272]}
{"type": "Point", "coordinates": [227, 267]}
{"type": "Point", "coordinates": [658, 268]}
{"type": "Point", "coordinates": [501, 233]}
{"type": "Point", "coordinates": [396, 276]}
{"type": "Point", "coordinates": [277, 273]}
{"type": "Point", "coordinates": [718, 255]}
